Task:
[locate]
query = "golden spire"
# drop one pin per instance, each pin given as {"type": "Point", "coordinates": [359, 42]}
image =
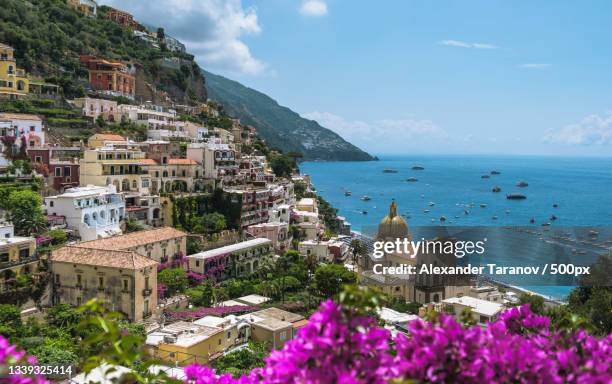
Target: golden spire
{"type": "Point", "coordinates": [393, 209]}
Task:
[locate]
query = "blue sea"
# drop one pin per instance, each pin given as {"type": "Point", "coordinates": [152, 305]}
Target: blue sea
{"type": "Point", "coordinates": [580, 187]}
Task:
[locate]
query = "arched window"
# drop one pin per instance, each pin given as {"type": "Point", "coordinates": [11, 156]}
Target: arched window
{"type": "Point", "coordinates": [134, 184]}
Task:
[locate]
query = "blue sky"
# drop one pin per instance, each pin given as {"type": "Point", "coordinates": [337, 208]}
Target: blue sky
{"type": "Point", "coordinates": [399, 76]}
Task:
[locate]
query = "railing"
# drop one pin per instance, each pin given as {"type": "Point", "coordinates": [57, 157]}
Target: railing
{"type": "Point", "coordinates": [21, 261]}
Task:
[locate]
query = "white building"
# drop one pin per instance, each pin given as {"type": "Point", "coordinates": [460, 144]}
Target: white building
{"type": "Point", "coordinates": [217, 159]}
{"type": "Point", "coordinates": [94, 212]}
{"type": "Point", "coordinates": [6, 230]}
{"type": "Point", "coordinates": [30, 127]}
{"type": "Point", "coordinates": [482, 310]}
{"type": "Point", "coordinates": [245, 257]}
{"type": "Point", "coordinates": [277, 233]}
{"type": "Point", "coordinates": [93, 108]}
{"type": "Point", "coordinates": [325, 251]}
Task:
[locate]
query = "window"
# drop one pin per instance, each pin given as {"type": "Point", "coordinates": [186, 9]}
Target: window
{"type": "Point", "coordinates": [229, 334]}
{"type": "Point", "coordinates": [100, 282]}
{"type": "Point", "coordinates": [66, 171]}
{"type": "Point", "coordinates": [51, 203]}
{"type": "Point", "coordinates": [58, 172]}
{"type": "Point", "coordinates": [57, 278]}
{"type": "Point", "coordinates": [219, 341]}
{"type": "Point", "coordinates": [197, 263]}
{"type": "Point", "coordinates": [79, 300]}
{"type": "Point", "coordinates": [38, 159]}
{"type": "Point", "coordinates": [32, 128]}
{"type": "Point", "coordinates": [79, 279]}
{"type": "Point", "coordinates": [173, 173]}
{"type": "Point", "coordinates": [126, 285]}
{"type": "Point", "coordinates": [147, 282]}
{"type": "Point", "coordinates": [283, 336]}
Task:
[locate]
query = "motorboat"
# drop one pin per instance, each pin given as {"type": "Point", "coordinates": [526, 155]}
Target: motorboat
{"type": "Point", "coordinates": [515, 196]}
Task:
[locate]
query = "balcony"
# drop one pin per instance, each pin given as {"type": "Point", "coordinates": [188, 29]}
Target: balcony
{"type": "Point", "coordinates": [21, 261]}
{"type": "Point", "coordinates": [146, 292]}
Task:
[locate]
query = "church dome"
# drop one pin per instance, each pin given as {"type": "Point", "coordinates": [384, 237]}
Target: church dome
{"type": "Point", "coordinates": [393, 226]}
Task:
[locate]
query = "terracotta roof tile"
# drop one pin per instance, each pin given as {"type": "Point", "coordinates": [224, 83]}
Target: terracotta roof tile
{"type": "Point", "coordinates": [19, 116]}
{"type": "Point", "coordinates": [182, 162]}
{"type": "Point", "coordinates": [147, 162]}
{"type": "Point", "coordinates": [134, 239]}
{"type": "Point", "coordinates": [109, 136]}
{"type": "Point", "coordinates": [101, 257]}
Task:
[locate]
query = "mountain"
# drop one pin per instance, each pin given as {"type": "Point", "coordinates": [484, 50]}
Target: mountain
{"type": "Point", "coordinates": [280, 126]}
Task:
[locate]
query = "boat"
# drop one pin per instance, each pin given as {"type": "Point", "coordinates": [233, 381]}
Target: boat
{"type": "Point", "coordinates": [366, 198]}
{"type": "Point", "coordinates": [532, 221]}
{"type": "Point", "coordinates": [553, 217]}
{"type": "Point", "coordinates": [390, 171]}
{"type": "Point", "coordinates": [466, 212]}
{"type": "Point", "coordinates": [485, 176]}
{"type": "Point", "coordinates": [364, 212]}
{"type": "Point", "coordinates": [426, 211]}
{"type": "Point", "coordinates": [555, 205]}
{"type": "Point", "coordinates": [431, 203]}
{"type": "Point", "coordinates": [348, 193]}
{"type": "Point", "coordinates": [494, 218]}
{"type": "Point", "coordinates": [496, 189]}
{"type": "Point", "coordinates": [442, 218]}
{"type": "Point", "coordinates": [412, 179]}
{"type": "Point", "coordinates": [522, 184]}
{"type": "Point", "coordinates": [483, 205]}
{"type": "Point", "coordinates": [495, 172]}
{"type": "Point", "coordinates": [507, 211]}
{"type": "Point", "coordinates": [418, 168]}
{"type": "Point", "coordinates": [546, 224]}
{"type": "Point", "coordinates": [515, 196]}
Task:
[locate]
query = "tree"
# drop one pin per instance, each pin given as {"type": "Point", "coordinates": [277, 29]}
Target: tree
{"type": "Point", "coordinates": [330, 278]}
{"type": "Point", "coordinates": [175, 279]}
{"type": "Point", "coordinates": [25, 212]}
{"type": "Point", "coordinates": [358, 249]}
{"type": "Point", "coordinates": [281, 165]}
{"type": "Point", "coordinates": [536, 302]}
{"type": "Point", "coordinates": [10, 320]}
{"type": "Point", "coordinates": [202, 295]}
{"type": "Point", "coordinates": [64, 317]}
{"type": "Point", "coordinates": [242, 361]}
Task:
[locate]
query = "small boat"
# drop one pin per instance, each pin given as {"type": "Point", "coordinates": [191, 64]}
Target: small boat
{"type": "Point", "coordinates": [553, 218]}
{"type": "Point", "coordinates": [515, 196]}
{"type": "Point", "coordinates": [507, 211]}
{"type": "Point", "coordinates": [366, 198]}
{"type": "Point", "coordinates": [442, 218]}
{"type": "Point", "coordinates": [483, 205]}
{"type": "Point", "coordinates": [495, 172]}
{"type": "Point", "coordinates": [496, 189]}
{"type": "Point", "coordinates": [418, 168]}
{"type": "Point", "coordinates": [494, 218]}
{"type": "Point", "coordinates": [426, 211]}
{"type": "Point", "coordinates": [412, 179]}
{"type": "Point", "coordinates": [546, 224]}
{"type": "Point", "coordinates": [390, 171]}
{"type": "Point", "coordinates": [431, 203]}
{"type": "Point", "coordinates": [555, 205]}
{"type": "Point", "coordinates": [364, 212]}
{"type": "Point", "coordinates": [485, 176]}
{"type": "Point", "coordinates": [466, 212]}
{"type": "Point", "coordinates": [522, 184]}
{"type": "Point", "coordinates": [532, 221]}
{"type": "Point", "coordinates": [593, 233]}
{"type": "Point", "coordinates": [348, 193]}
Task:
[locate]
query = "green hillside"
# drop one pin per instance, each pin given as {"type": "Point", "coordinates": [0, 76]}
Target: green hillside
{"type": "Point", "coordinates": [280, 126]}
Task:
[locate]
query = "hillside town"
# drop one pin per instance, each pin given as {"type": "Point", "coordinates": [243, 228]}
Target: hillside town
{"type": "Point", "coordinates": [180, 219]}
{"type": "Point", "coordinates": [143, 225]}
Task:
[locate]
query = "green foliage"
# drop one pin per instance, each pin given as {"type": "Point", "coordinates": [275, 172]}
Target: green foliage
{"type": "Point", "coordinates": [536, 302]}
{"type": "Point", "coordinates": [10, 320]}
{"type": "Point", "coordinates": [360, 300]}
{"type": "Point", "coordinates": [299, 188]}
{"type": "Point", "coordinates": [330, 279]}
{"type": "Point", "coordinates": [241, 362]}
{"type": "Point", "coordinates": [207, 213]}
{"type": "Point", "coordinates": [282, 165]}
{"type": "Point", "coordinates": [25, 212]}
{"type": "Point", "coordinates": [132, 225]}
{"type": "Point", "coordinates": [175, 279]}
{"type": "Point", "coordinates": [400, 305]}
{"type": "Point", "coordinates": [64, 317]}
{"type": "Point", "coordinates": [201, 295]}
{"type": "Point", "coordinates": [58, 237]}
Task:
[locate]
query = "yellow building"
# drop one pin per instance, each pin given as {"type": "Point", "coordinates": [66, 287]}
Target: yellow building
{"type": "Point", "coordinates": [185, 343]}
{"type": "Point", "coordinates": [14, 82]}
{"type": "Point", "coordinates": [17, 255]}
{"type": "Point", "coordinates": [119, 165]}
{"type": "Point", "coordinates": [124, 280]}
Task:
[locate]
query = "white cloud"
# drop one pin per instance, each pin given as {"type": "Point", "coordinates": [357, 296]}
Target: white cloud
{"type": "Point", "coordinates": [592, 130]}
{"type": "Point", "coordinates": [534, 66]}
{"type": "Point", "coordinates": [212, 30]}
{"type": "Point", "coordinates": [313, 8]}
{"type": "Point", "coordinates": [464, 44]}
{"type": "Point", "coordinates": [386, 135]}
